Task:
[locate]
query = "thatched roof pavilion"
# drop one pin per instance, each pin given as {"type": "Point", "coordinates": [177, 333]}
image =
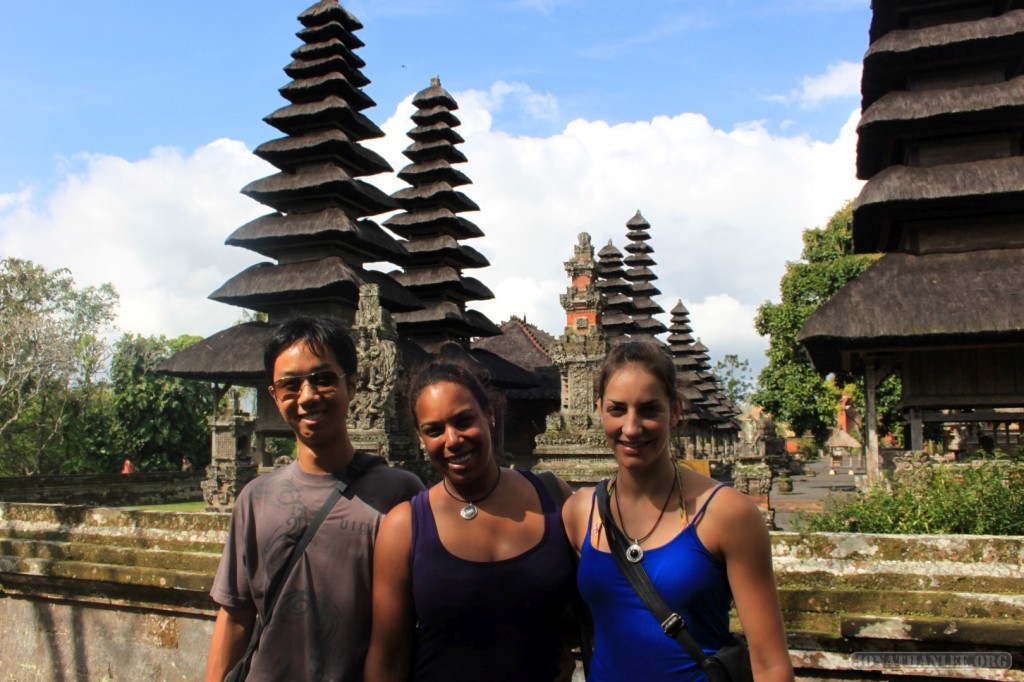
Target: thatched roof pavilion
{"type": "Point", "coordinates": [941, 149]}
{"type": "Point", "coordinates": [841, 439]}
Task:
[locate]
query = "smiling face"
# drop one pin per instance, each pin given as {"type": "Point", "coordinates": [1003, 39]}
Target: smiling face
{"type": "Point", "coordinates": [316, 414]}
{"type": "Point", "coordinates": [637, 416]}
{"type": "Point", "coordinates": [455, 431]}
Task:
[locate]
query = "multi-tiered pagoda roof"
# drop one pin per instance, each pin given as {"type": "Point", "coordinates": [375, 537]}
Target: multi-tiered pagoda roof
{"type": "Point", "coordinates": [432, 227]}
{"type": "Point", "coordinates": [617, 315]}
{"type": "Point", "coordinates": [318, 233]}
{"type": "Point", "coordinates": [940, 145]}
{"type": "Point", "coordinates": [641, 278]}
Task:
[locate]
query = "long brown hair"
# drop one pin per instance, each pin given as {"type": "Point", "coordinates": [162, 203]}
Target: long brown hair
{"type": "Point", "coordinates": [645, 355]}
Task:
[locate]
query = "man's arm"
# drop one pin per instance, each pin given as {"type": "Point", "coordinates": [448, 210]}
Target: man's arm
{"type": "Point", "coordinates": [230, 637]}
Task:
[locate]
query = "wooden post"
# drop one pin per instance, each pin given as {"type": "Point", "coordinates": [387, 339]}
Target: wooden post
{"type": "Point", "coordinates": [916, 430]}
{"type": "Point", "coordinates": [871, 382]}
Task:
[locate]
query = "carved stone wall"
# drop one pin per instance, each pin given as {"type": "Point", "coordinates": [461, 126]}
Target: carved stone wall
{"type": "Point", "coordinates": [378, 418]}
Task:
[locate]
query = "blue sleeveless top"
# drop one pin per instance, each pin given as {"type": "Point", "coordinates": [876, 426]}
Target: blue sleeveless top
{"type": "Point", "coordinates": [628, 640]}
{"type": "Point", "coordinates": [498, 621]}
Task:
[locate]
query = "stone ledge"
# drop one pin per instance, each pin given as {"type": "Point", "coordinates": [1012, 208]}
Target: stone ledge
{"type": "Point", "coordinates": [107, 574]}
{"type": "Point", "coordinates": [886, 602]}
{"type": "Point", "coordinates": [798, 576]}
{"type": "Point", "coordinates": [75, 590]}
{"type": "Point", "coordinates": [813, 665]}
{"type": "Point", "coordinates": [979, 631]}
{"type": "Point", "coordinates": [198, 561]}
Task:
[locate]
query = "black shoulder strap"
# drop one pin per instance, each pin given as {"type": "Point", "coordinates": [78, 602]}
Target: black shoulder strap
{"type": "Point", "coordinates": [361, 462]}
{"type": "Point", "coordinates": [274, 588]}
{"type": "Point", "coordinates": [672, 624]}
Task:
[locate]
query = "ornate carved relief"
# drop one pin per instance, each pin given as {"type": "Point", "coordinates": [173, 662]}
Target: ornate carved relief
{"type": "Point", "coordinates": [376, 422]}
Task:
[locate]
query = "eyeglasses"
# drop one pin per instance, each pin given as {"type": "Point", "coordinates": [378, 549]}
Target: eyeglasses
{"type": "Point", "coordinates": [325, 383]}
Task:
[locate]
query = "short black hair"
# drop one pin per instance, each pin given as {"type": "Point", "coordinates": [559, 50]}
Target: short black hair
{"type": "Point", "coordinates": [319, 333]}
{"type": "Point", "coordinates": [440, 371]}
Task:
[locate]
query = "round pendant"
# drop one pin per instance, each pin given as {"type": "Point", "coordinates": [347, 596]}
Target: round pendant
{"type": "Point", "coordinates": [469, 512]}
{"type": "Point", "coordinates": [634, 553]}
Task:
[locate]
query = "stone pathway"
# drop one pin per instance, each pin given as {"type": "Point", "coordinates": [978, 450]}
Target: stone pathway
{"type": "Point", "coordinates": [810, 491]}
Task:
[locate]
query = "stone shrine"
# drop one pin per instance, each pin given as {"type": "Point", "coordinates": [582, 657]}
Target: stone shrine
{"type": "Point", "coordinates": [752, 473]}
{"type": "Point", "coordinates": [573, 444]}
{"type": "Point", "coordinates": [231, 465]}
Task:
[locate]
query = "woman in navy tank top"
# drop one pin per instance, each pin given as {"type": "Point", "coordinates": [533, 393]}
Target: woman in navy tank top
{"type": "Point", "coordinates": [703, 545]}
{"type": "Point", "coordinates": [471, 579]}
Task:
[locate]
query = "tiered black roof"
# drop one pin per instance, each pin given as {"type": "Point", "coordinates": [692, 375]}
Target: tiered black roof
{"type": "Point", "coordinates": [617, 315]}
{"type": "Point", "coordinates": [640, 276]}
{"type": "Point", "coordinates": [696, 382]}
{"type": "Point", "coordinates": [317, 234]}
{"type": "Point", "coordinates": [941, 145]}
{"type": "Point", "coordinates": [432, 227]}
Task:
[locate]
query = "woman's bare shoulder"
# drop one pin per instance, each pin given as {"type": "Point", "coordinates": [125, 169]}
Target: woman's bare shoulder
{"type": "Point", "coordinates": [579, 501]}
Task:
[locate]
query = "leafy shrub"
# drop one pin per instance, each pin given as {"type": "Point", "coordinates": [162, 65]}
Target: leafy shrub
{"type": "Point", "coordinates": [985, 498]}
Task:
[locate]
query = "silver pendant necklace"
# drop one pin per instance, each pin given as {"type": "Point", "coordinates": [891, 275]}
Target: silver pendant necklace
{"type": "Point", "coordinates": [635, 553]}
{"type": "Point", "coordinates": [470, 511]}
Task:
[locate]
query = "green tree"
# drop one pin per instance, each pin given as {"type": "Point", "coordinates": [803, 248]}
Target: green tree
{"type": "Point", "coordinates": [51, 343]}
{"type": "Point", "coordinates": [88, 437]}
{"type": "Point", "coordinates": [789, 387]}
{"type": "Point", "coordinates": [737, 383]}
{"type": "Point", "coordinates": [160, 419]}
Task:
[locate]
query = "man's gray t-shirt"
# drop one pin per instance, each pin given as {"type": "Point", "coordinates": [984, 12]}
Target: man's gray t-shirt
{"type": "Point", "coordinates": [320, 629]}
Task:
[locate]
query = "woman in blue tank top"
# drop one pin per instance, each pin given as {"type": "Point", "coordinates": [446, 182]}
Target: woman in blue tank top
{"type": "Point", "coordinates": [702, 545]}
{"type": "Point", "coordinates": [471, 579]}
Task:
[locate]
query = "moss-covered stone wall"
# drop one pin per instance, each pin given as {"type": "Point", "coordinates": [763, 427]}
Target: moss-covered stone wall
{"type": "Point", "coordinates": [94, 593]}
{"type": "Point", "coordinates": [115, 490]}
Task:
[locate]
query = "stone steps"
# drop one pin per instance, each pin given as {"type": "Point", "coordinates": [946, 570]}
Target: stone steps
{"type": "Point", "coordinates": [990, 632]}
{"type": "Point", "coordinates": [157, 559]}
{"type": "Point", "coordinates": [892, 579]}
{"type": "Point", "coordinates": [146, 530]}
{"type": "Point", "coordinates": [138, 576]}
{"type": "Point", "coordinates": [959, 605]}
{"type": "Point", "coordinates": [846, 593]}
{"type": "Point", "coordinates": [49, 550]}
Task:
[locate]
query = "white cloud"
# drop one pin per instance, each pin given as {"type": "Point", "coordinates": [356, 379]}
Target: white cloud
{"type": "Point", "coordinates": [727, 208]}
{"type": "Point", "coordinates": [840, 81]}
{"type": "Point", "coordinates": [539, 105]}
{"type": "Point", "coordinates": [726, 326]}
{"type": "Point", "coordinates": [154, 228]}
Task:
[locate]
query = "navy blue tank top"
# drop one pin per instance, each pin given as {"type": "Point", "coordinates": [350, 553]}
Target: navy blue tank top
{"type": "Point", "coordinates": [628, 640]}
{"type": "Point", "coordinates": [498, 621]}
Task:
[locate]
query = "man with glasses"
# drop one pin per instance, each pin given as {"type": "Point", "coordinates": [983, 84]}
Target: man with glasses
{"type": "Point", "coordinates": [319, 628]}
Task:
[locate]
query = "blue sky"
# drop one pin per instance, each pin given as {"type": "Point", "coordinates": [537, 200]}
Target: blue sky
{"type": "Point", "coordinates": [729, 124]}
